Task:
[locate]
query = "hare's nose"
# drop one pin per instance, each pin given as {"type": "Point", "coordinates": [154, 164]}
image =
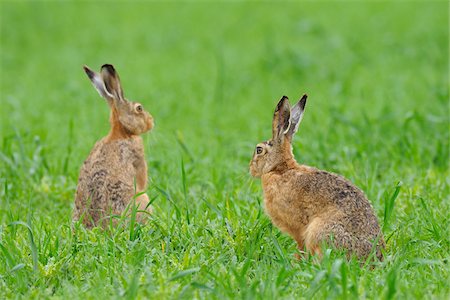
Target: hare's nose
{"type": "Point", "coordinates": [150, 122]}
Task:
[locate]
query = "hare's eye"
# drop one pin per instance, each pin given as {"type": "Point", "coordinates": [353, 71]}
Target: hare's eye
{"type": "Point", "coordinates": [259, 150]}
{"type": "Point", "coordinates": [139, 108]}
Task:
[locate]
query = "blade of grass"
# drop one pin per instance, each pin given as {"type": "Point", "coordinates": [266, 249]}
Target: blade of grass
{"type": "Point", "coordinates": [389, 206]}
{"type": "Point", "coordinates": [32, 244]}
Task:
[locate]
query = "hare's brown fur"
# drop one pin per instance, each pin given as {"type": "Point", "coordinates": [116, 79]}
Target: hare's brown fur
{"type": "Point", "coordinates": [311, 205]}
{"type": "Point", "coordinates": [116, 169]}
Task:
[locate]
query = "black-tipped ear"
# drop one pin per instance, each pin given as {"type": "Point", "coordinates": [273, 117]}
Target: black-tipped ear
{"type": "Point", "coordinates": [112, 81]}
{"type": "Point", "coordinates": [109, 68]}
{"type": "Point", "coordinates": [296, 116]}
{"type": "Point", "coordinates": [98, 83]}
{"type": "Point", "coordinates": [281, 116]}
{"type": "Point", "coordinates": [89, 72]}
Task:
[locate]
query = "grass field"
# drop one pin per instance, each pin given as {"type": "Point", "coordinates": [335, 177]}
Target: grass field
{"type": "Point", "coordinates": [211, 74]}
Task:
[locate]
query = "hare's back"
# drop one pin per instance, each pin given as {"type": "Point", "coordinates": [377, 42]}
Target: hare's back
{"type": "Point", "coordinates": [116, 157]}
{"type": "Point", "coordinates": [107, 175]}
{"type": "Point", "coordinates": [330, 188]}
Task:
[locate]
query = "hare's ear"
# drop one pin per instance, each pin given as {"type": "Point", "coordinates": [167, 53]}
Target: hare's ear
{"type": "Point", "coordinates": [112, 81]}
{"type": "Point", "coordinates": [281, 117]}
{"type": "Point", "coordinates": [98, 83]}
{"type": "Point", "coordinates": [296, 116]}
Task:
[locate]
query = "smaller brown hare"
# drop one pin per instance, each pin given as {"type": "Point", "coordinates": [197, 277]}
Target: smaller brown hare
{"type": "Point", "coordinates": [312, 206]}
{"type": "Point", "coordinates": [115, 170]}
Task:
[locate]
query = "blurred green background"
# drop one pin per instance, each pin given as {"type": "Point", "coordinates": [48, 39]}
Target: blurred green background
{"type": "Point", "coordinates": [211, 74]}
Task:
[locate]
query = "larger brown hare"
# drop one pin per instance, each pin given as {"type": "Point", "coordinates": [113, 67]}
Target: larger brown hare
{"type": "Point", "coordinates": [311, 205]}
{"type": "Point", "coordinates": [115, 170]}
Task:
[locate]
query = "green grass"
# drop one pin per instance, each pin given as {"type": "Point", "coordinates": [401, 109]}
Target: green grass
{"type": "Point", "coordinates": [211, 74]}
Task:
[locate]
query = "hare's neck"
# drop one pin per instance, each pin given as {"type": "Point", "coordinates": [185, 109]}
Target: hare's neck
{"type": "Point", "coordinates": [288, 161]}
{"type": "Point", "coordinates": [117, 130]}
{"type": "Point", "coordinates": [285, 165]}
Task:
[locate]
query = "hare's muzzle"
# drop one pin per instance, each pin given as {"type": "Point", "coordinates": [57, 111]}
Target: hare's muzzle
{"type": "Point", "coordinates": [149, 122]}
{"type": "Point", "coordinates": [252, 168]}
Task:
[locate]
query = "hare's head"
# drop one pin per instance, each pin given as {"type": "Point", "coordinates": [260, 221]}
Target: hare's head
{"type": "Point", "coordinates": [275, 153]}
{"type": "Point", "coordinates": [130, 115]}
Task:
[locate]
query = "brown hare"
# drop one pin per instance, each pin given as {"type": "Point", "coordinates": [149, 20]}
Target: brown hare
{"type": "Point", "coordinates": [311, 205]}
{"type": "Point", "coordinates": [115, 170]}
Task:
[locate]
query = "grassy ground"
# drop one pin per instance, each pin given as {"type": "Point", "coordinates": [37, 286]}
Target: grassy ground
{"type": "Point", "coordinates": [211, 74]}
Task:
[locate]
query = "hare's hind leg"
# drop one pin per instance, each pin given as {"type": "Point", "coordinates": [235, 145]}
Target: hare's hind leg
{"type": "Point", "coordinates": [314, 236]}
{"type": "Point", "coordinates": [326, 230]}
{"type": "Point", "coordinates": [335, 234]}
{"type": "Point", "coordinates": [355, 244]}
{"type": "Point", "coordinates": [142, 203]}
